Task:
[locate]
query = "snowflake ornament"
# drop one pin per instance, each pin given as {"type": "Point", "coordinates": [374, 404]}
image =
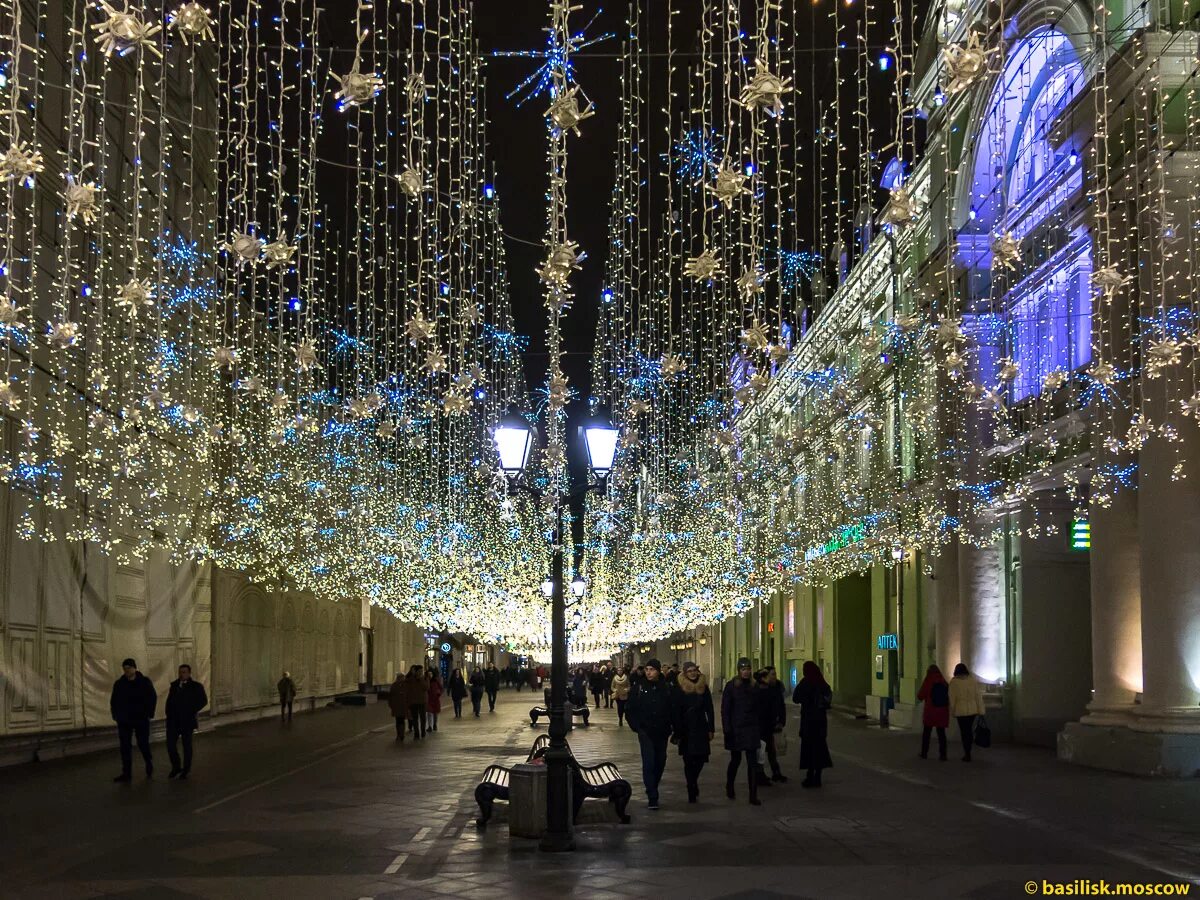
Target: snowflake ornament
{"type": "Point", "coordinates": [306, 356]}
{"type": "Point", "coordinates": [357, 409]}
{"type": "Point", "coordinates": [558, 391]}
{"type": "Point", "coordinates": [728, 185]}
{"type": "Point", "coordinates": [1191, 406]}
{"type": "Point", "coordinates": [750, 282]}
{"type": "Point", "coordinates": [1006, 251]}
{"type": "Point", "coordinates": [705, 267]}
{"type": "Point", "coordinates": [10, 313]}
{"type": "Point", "coordinates": [191, 20]}
{"type": "Point", "coordinates": [223, 358]}
{"type": "Point", "coordinates": [672, 365]}
{"type": "Point", "coordinates": [279, 253]}
{"type": "Point", "coordinates": [412, 183]}
{"type": "Point", "coordinates": [455, 403]}
{"type": "Point", "coordinates": [754, 337]}
{"type": "Point", "coordinates": [723, 438]}
{"type": "Point", "coordinates": [252, 385]}
{"type": "Point", "coordinates": [435, 361]}
{"type": "Point", "coordinates": [948, 332]}
{"type": "Point", "coordinates": [965, 64]}
{"type": "Point", "coordinates": [1109, 280]}
{"type": "Point", "coordinates": [82, 200]}
{"type": "Point", "coordinates": [778, 353]}
{"type": "Point", "coordinates": [135, 295]}
{"type": "Point", "coordinates": [386, 430]}
{"type": "Point", "coordinates": [357, 88]}
{"type": "Point", "coordinates": [759, 381]}
{"type": "Point", "coordinates": [63, 335]}
{"type": "Point", "coordinates": [20, 164]}
{"type": "Point", "coordinates": [9, 401]}
{"type": "Point", "coordinates": [123, 31]}
{"type": "Point", "coordinates": [1161, 355]}
{"type": "Point", "coordinates": [638, 407]}
{"type": "Point", "coordinates": [419, 328]}
{"type": "Point", "coordinates": [190, 414]}
{"type": "Point", "coordinates": [1009, 369]}
{"type": "Point", "coordinates": [246, 248]}
{"type": "Point", "coordinates": [1103, 373]}
{"type": "Point", "coordinates": [955, 364]}
{"type": "Point", "coordinates": [561, 261]}
{"type": "Point", "coordinates": [1054, 380]}
{"type": "Point", "coordinates": [765, 90]}
{"type": "Point", "coordinates": [565, 113]}
{"type": "Point", "coordinates": [901, 208]}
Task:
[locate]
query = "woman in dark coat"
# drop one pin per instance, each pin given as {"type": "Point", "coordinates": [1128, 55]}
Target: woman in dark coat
{"type": "Point", "coordinates": [741, 721]}
{"type": "Point", "coordinates": [477, 683]}
{"type": "Point", "coordinates": [458, 691]}
{"type": "Point", "coordinates": [579, 688]}
{"type": "Point", "coordinates": [815, 697]}
{"type": "Point", "coordinates": [936, 712]}
{"type": "Point", "coordinates": [695, 724]}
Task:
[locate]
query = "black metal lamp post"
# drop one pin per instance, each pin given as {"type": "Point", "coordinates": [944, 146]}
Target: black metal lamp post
{"type": "Point", "coordinates": [514, 436]}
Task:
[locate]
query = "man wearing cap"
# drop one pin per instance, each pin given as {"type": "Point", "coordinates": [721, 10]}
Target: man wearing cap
{"type": "Point", "coordinates": [649, 716]}
{"type": "Point", "coordinates": [132, 705]}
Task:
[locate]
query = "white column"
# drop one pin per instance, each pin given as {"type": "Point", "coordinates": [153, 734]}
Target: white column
{"type": "Point", "coordinates": [948, 634]}
{"type": "Point", "coordinates": [982, 611]}
{"type": "Point", "coordinates": [1116, 564]}
{"type": "Point", "coordinates": [1169, 525]}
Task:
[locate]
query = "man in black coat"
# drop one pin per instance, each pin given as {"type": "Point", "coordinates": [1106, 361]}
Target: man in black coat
{"type": "Point", "coordinates": [774, 719]}
{"type": "Point", "coordinates": [132, 705]}
{"type": "Point", "coordinates": [742, 703]}
{"type": "Point", "coordinates": [650, 716]}
{"type": "Point", "coordinates": [491, 684]}
{"type": "Point", "coordinates": [184, 700]}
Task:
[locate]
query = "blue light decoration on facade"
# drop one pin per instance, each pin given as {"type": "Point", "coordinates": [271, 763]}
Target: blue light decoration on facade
{"type": "Point", "coordinates": [186, 281]}
{"type": "Point", "coordinates": [797, 266]}
{"type": "Point", "coordinates": [345, 344]}
{"type": "Point", "coordinates": [1034, 196]}
{"type": "Point", "coordinates": [507, 343]}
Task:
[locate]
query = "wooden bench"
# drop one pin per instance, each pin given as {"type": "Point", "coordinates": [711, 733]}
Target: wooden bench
{"type": "Point", "coordinates": [541, 711]}
{"type": "Point", "coordinates": [601, 782]}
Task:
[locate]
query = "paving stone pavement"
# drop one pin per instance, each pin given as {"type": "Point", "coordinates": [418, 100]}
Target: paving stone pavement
{"type": "Point", "coordinates": [331, 806]}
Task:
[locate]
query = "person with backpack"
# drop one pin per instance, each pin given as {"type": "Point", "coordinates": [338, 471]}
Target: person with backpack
{"type": "Point", "coordinates": [966, 702]}
{"type": "Point", "coordinates": [936, 713]}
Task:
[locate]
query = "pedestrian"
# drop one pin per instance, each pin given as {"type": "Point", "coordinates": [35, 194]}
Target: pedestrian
{"type": "Point", "coordinates": [433, 700]}
{"type": "Point", "coordinates": [579, 688]}
{"type": "Point", "coordinates": [637, 678]}
{"type": "Point", "coordinates": [132, 705]}
{"type": "Point", "coordinates": [185, 699]}
{"type": "Point", "coordinates": [534, 680]}
{"type": "Point", "coordinates": [519, 679]}
{"type": "Point", "coordinates": [620, 686]}
{"type": "Point", "coordinates": [416, 694]}
{"type": "Point", "coordinates": [596, 682]}
{"type": "Point", "coordinates": [774, 720]}
{"type": "Point", "coordinates": [477, 683]}
{"type": "Point", "coordinates": [458, 691]}
{"type": "Point", "coordinates": [672, 674]}
{"type": "Point", "coordinates": [491, 684]}
{"type": "Point", "coordinates": [815, 697]}
{"type": "Point", "coordinates": [936, 712]}
{"type": "Point", "coordinates": [607, 672]}
{"type": "Point", "coordinates": [398, 704]}
{"type": "Point", "coordinates": [741, 721]}
{"type": "Point", "coordinates": [287, 693]}
{"type": "Point", "coordinates": [966, 702]}
{"type": "Point", "coordinates": [650, 718]}
{"type": "Point", "coordinates": [695, 724]}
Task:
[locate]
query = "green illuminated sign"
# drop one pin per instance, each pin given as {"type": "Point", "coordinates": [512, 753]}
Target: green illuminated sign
{"type": "Point", "coordinates": [1081, 535]}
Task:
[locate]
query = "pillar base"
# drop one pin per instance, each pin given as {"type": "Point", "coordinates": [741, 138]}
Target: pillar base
{"type": "Point", "coordinates": [1125, 748]}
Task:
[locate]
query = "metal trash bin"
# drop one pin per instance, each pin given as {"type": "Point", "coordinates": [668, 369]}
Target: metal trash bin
{"type": "Point", "coordinates": [527, 801]}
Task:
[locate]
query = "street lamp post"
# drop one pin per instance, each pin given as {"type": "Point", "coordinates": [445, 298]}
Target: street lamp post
{"type": "Point", "coordinates": [513, 436]}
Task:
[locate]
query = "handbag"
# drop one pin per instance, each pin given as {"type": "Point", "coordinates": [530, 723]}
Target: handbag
{"type": "Point", "coordinates": [983, 734]}
{"type": "Point", "coordinates": [761, 757]}
{"type": "Point", "coordinates": [781, 743]}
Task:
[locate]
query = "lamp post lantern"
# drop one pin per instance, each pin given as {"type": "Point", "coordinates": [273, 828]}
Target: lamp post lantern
{"type": "Point", "coordinates": [514, 436]}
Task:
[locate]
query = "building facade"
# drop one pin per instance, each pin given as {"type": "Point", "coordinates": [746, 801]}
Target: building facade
{"type": "Point", "coordinates": [982, 450]}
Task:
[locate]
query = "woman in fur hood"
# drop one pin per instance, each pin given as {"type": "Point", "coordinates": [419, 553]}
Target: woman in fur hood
{"type": "Point", "coordinates": [695, 724]}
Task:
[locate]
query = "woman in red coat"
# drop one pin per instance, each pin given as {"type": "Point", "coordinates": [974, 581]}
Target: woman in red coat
{"type": "Point", "coordinates": [433, 699]}
{"type": "Point", "coordinates": [936, 694]}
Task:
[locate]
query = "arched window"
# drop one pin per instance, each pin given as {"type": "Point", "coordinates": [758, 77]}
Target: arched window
{"type": "Point", "coordinates": [1026, 184]}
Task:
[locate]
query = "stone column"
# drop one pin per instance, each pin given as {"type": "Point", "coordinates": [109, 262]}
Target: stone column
{"type": "Point", "coordinates": [1116, 607]}
{"type": "Point", "coordinates": [1169, 525]}
{"type": "Point", "coordinates": [982, 612]}
{"type": "Point", "coordinates": [949, 624]}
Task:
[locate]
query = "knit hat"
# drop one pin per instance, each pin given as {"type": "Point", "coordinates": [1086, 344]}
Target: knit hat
{"type": "Point", "coordinates": [653, 664]}
{"type": "Point", "coordinates": [129, 662]}
{"type": "Point", "coordinates": [743, 663]}
{"type": "Point", "coordinates": [689, 665]}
